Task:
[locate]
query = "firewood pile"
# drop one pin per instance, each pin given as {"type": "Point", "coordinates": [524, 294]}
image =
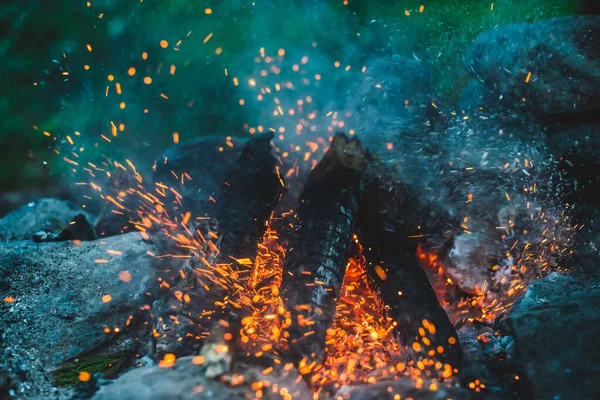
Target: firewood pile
{"type": "Point", "coordinates": [275, 293]}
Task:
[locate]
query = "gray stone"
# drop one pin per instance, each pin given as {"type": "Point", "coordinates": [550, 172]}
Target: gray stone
{"type": "Point", "coordinates": [185, 380]}
{"type": "Point", "coordinates": [474, 357]}
{"type": "Point", "coordinates": [556, 326]}
{"type": "Point", "coordinates": [586, 251]}
{"type": "Point", "coordinates": [405, 387]}
{"type": "Point", "coordinates": [562, 55]}
{"type": "Point", "coordinates": [56, 303]}
{"type": "Point", "coordinates": [468, 263]}
{"type": "Point", "coordinates": [473, 96]}
{"type": "Point", "coordinates": [10, 200]}
{"type": "Point", "coordinates": [48, 214]}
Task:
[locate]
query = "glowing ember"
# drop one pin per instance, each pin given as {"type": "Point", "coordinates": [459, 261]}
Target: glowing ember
{"type": "Point", "coordinates": [84, 376]}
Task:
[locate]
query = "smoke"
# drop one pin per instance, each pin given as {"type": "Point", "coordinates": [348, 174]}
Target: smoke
{"type": "Point", "coordinates": [304, 71]}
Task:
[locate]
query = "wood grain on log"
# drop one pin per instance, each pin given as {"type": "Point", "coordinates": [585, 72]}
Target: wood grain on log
{"type": "Point", "coordinates": [247, 199]}
{"type": "Point", "coordinates": [243, 207]}
{"type": "Point", "coordinates": [318, 254]}
{"type": "Point", "coordinates": [390, 251]}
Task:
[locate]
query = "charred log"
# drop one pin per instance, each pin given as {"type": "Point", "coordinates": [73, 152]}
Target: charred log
{"type": "Point", "coordinates": [244, 205]}
{"type": "Point", "coordinates": [242, 221]}
{"type": "Point", "coordinates": [390, 251]}
{"type": "Point", "coordinates": [318, 254]}
{"type": "Point", "coordinates": [207, 160]}
{"type": "Point", "coordinates": [247, 198]}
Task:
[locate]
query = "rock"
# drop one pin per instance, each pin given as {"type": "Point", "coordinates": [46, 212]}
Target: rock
{"type": "Point", "coordinates": [185, 380]}
{"type": "Point", "coordinates": [78, 229]}
{"type": "Point", "coordinates": [562, 55]}
{"type": "Point", "coordinates": [576, 146]}
{"type": "Point", "coordinates": [60, 298]}
{"type": "Point", "coordinates": [471, 157]}
{"type": "Point", "coordinates": [206, 161]}
{"type": "Point", "coordinates": [478, 176]}
{"type": "Point", "coordinates": [48, 215]}
{"type": "Point", "coordinates": [587, 249]}
{"type": "Point", "coordinates": [468, 263]}
{"type": "Point", "coordinates": [406, 388]}
{"type": "Point", "coordinates": [556, 325]}
{"type": "Point", "coordinates": [490, 358]}
{"type": "Point", "coordinates": [473, 97]}
{"type": "Point", "coordinates": [11, 200]}
{"type": "Point", "coordinates": [475, 359]}
{"type": "Point", "coordinates": [5, 384]}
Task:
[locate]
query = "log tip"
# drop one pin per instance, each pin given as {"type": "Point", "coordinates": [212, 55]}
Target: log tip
{"type": "Point", "coordinates": [348, 152]}
{"type": "Point", "coordinates": [344, 155]}
{"type": "Point", "coordinates": [262, 142]}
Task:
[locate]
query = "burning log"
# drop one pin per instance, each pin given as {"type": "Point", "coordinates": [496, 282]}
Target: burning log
{"type": "Point", "coordinates": [247, 198]}
{"type": "Point", "coordinates": [390, 252]}
{"type": "Point", "coordinates": [242, 219]}
{"type": "Point", "coordinates": [244, 205]}
{"type": "Point", "coordinates": [318, 254]}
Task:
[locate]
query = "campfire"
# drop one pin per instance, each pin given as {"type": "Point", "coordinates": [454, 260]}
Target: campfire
{"type": "Point", "coordinates": [327, 290]}
{"type": "Point", "coordinates": [356, 236]}
{"type": "Point", "coordinates": [327, 285]}
{"type": "Point", "coordinates": [322, 284]}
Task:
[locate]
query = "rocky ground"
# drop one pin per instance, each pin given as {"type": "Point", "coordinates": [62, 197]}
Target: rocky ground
{"type": "Point", "coordinates": [77, 293]}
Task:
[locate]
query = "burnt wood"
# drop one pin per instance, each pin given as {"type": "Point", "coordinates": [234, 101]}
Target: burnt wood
{"type": "Point", "coordinates": [319, 250]}
{"type": "Point", "coordinates": [246, 201]}
{"type": "Point", "coordinates": [247, 198]}
{"type": "Point", "coordinates": [390, 246]}
{"type": "Point", "coordinates": [242, 209]}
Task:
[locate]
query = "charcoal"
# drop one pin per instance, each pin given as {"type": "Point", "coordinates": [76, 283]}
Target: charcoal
{"type": "Point", "coordinates": [207, 161]}
{"type": "Point", "coordinates": [247, 198]}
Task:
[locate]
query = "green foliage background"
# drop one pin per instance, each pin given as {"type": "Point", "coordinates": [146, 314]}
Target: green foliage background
{"type": "Point", "coordinates": [34, 33]}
